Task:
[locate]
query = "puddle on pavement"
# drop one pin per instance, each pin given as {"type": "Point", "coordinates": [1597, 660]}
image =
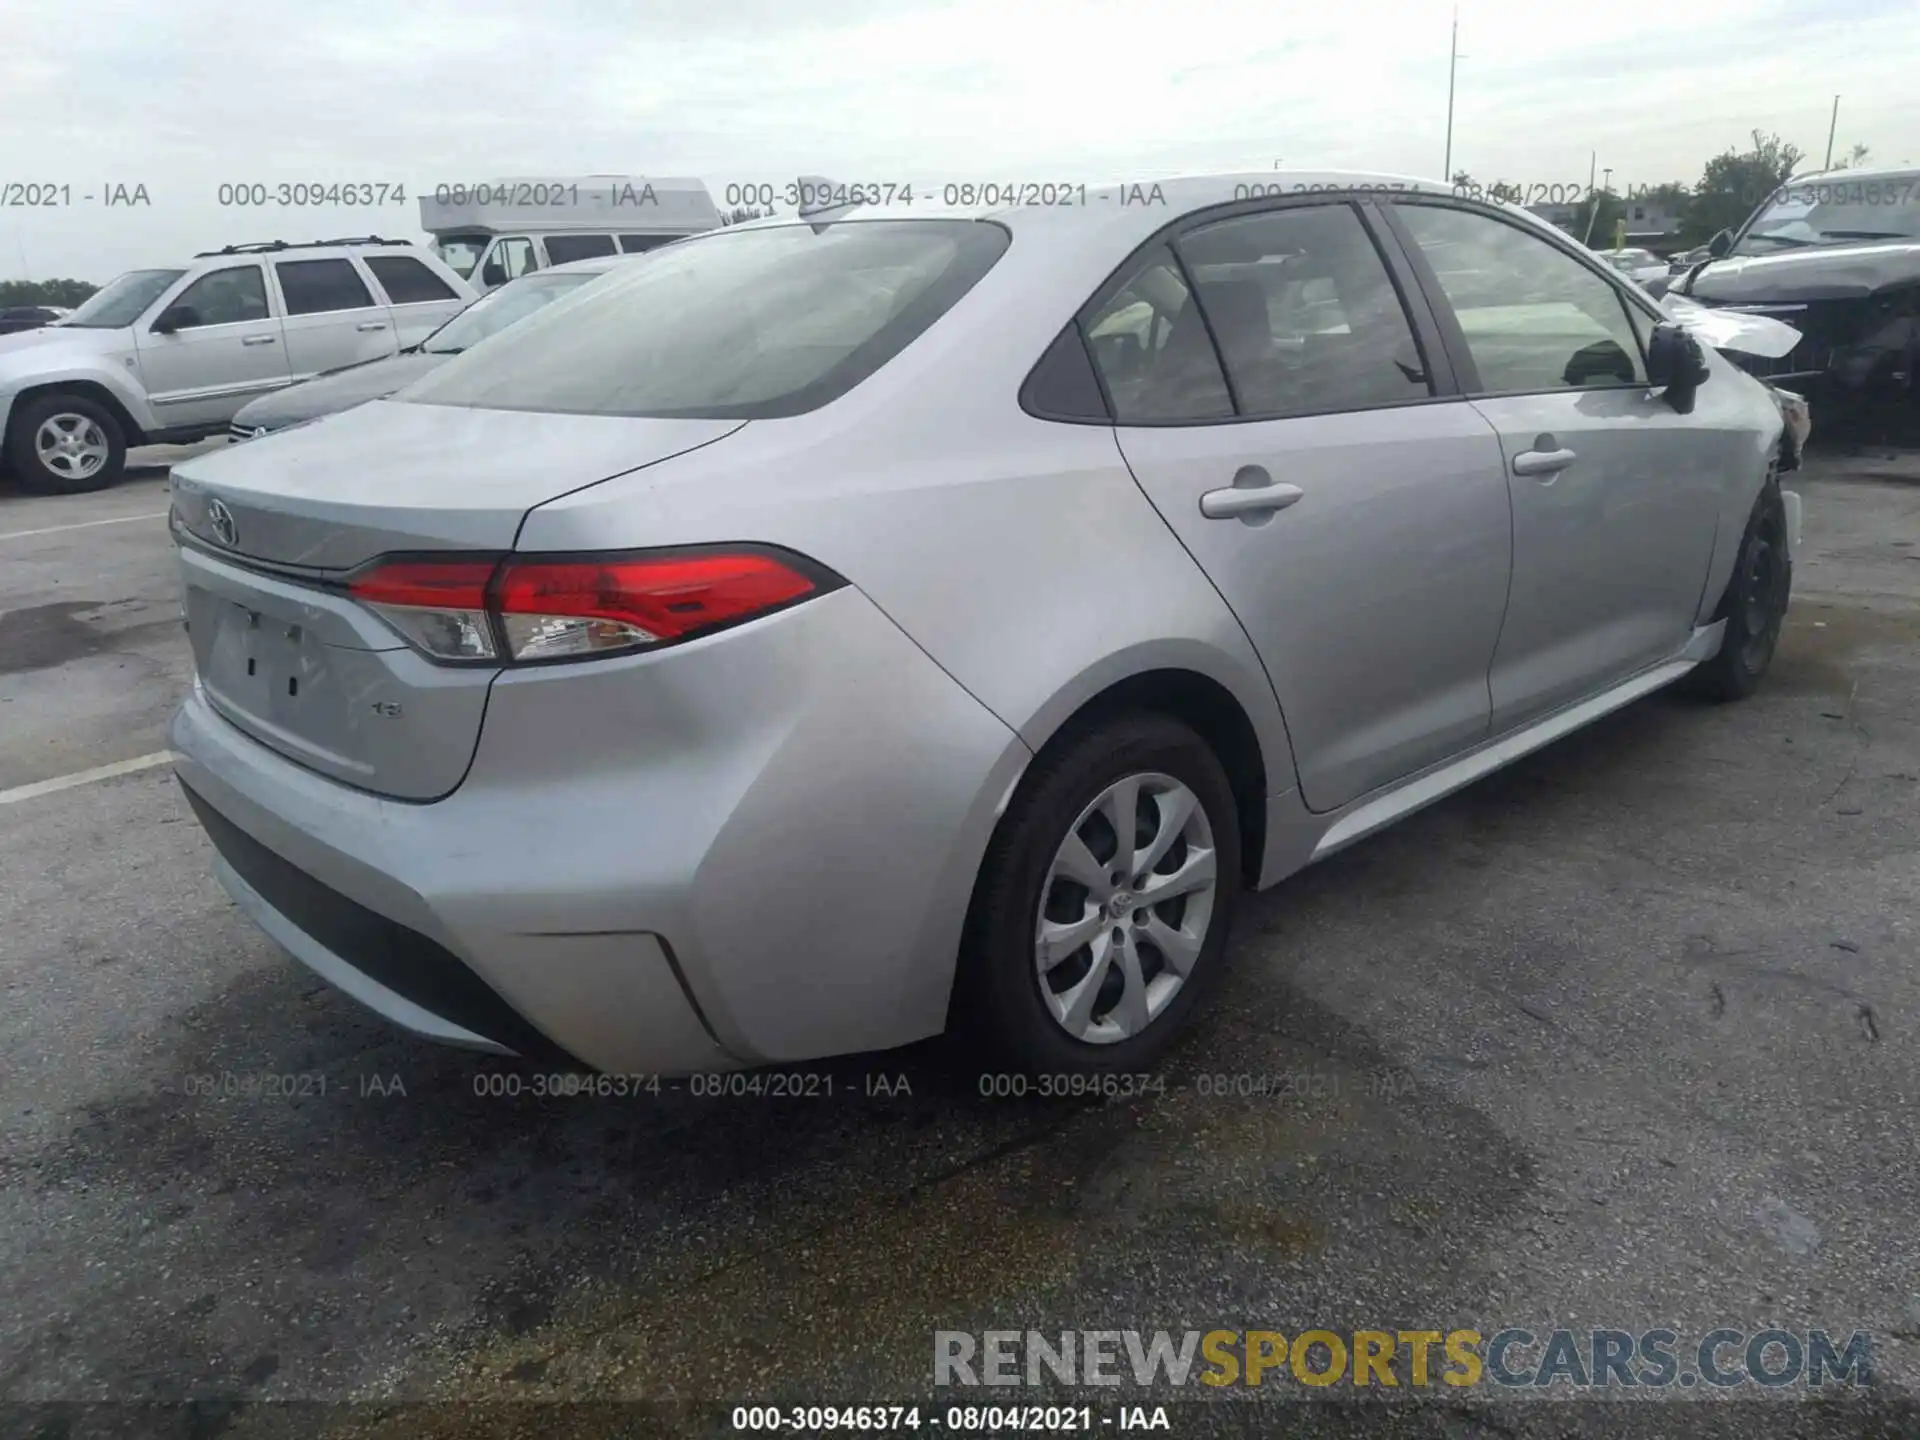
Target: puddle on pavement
{"type": "Point", "coordinates": [1822, 645]}
{"type": "Point", "coordinates": [42, 636]}
{"type": "Point", "coordinates": [1040, 1226]}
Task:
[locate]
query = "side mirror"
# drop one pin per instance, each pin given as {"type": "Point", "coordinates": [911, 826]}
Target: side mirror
{"type": "Point", "coordinates": [1676, 364]}
{"type": "Point", "coordinates": [176, 317]}
{"type": "Point", "coordinates": [493, 273]}
{"type": "Point", "coordinates": [1720, 244]}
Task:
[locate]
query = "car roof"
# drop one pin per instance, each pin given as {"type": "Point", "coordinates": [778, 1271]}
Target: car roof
{"type": "Point", "coordinates": [1115, 210]}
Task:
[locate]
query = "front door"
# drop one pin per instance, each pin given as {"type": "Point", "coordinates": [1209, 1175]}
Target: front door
{"type": "Point", "coordinates": [1353, 516]}
{"type": "Point", "coordinates": [230, 350]}
{"type": "Point", "coordinates": [1615, 496]}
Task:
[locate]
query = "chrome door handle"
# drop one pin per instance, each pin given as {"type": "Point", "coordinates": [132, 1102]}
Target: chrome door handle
{"type": "Point", "coordinates": [1542, 462]}
{"type": "Point", "coordinates": [257, 340]}
{"type": "Point", "coordinates": [1247, 501]}
{"type": "Point", "coordinates": [371, 325]}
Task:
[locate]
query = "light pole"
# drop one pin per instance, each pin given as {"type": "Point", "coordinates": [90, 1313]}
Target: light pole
{"type": "Point", "coordinates": [1831, 126]}
{"type": "Point", "coordinates": [1453, 60]}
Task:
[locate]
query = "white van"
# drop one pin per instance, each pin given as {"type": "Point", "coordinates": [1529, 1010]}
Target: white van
{"type": "Point", "coordinates": [498, 230]}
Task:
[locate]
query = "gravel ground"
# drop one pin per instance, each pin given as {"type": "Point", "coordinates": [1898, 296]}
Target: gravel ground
{"type": "Point", "coordinates": [1618, 1038]}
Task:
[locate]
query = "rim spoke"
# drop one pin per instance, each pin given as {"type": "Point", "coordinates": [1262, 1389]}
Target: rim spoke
{"type": "Point", "coordinates": [1077, 1003]}
{"type": "Point", "coordinates": [1122, 809]}
{"type": "Point", "coordinates": [1131, 1013]}
{"type": "Point", "coordinates": [1060, 939]}
{"type": "Point", "coordinates": [1076, 862]}
{"type": "Point", "coordinates": [1176, 806]}
{"type": "Point", "coordinates": [1102, 922]}
{"type": "Point", "coordinates": [1196, 872]}
{"type": "Point", "coordinates": [1179, 947]}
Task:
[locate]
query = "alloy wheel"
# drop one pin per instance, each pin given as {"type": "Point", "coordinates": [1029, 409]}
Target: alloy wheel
{"type": "Point", "coordinates": [71, 446]}
{"type": "Point", "coordinates": [1125, 907]}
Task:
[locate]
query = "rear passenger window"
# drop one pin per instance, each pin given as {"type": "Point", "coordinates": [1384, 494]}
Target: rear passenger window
{"type": "Point", "coordinates": [563, 248]}
{"type": "Point", "coordinates": [1535, 318]}
{"type": "Point", "coordinates": [407, 281]}
{"type": "Point", "coordinates": [313, 286]}
{"type": "Point", "coordinates": [1304, 313]}
{"type": "Point", "coordinates": [634, 244]}
{"type": "Point", "coordinates": [1151, 347]}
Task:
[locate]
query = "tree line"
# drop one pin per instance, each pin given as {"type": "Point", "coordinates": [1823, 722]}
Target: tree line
{"type": "Point", "coordinates": [64, 293]}
{"type": "Point", "coordinates": [1729, 190]}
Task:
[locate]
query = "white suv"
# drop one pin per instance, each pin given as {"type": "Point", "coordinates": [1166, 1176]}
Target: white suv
{"type": "Point", "coordinates": [162, 357]}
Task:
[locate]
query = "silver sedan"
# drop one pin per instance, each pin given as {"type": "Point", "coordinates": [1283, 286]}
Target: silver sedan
{"type": "Point", "coordinates": [841, 629]}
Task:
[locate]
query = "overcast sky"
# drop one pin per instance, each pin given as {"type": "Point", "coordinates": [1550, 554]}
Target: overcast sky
{"type": "Point", "coordinates": [184, 95]}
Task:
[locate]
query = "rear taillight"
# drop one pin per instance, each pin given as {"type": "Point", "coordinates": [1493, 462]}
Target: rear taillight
{"type": "Point", "coordinates": [533, 608]}
{"type": "Point", "coordinates": [439, 605]}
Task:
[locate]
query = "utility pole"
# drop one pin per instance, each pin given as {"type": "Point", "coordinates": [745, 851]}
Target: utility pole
{"type": "Point", "coordinates": [1453, 60]}
{"type": "Point", "coordinates": [1593, 200]}
{"type": "Point", "coordinates": [1831, 126]}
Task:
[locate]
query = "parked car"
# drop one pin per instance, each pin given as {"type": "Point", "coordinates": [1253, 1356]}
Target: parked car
{"type": "Point", "coordinates": [1837, 255]}
{"type": "Point", "coordinates": [28, 317]}
{"type": "Point", "coordinates": [852, 625]}
{"type": "Point", "coordinates": [168, 356]}
{"type": "Point", "coordinates": [1643, 267]}
{"type": "Point", "coordinates": [499, 230]}
{"type": "Point", "coordinates": [371, 379]}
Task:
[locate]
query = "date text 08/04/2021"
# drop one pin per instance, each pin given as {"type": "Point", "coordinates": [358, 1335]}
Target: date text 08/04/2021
{"type": "Point", "coordinates": [961, 1419]}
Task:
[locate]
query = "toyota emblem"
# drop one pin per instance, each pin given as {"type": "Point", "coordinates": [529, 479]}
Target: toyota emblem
{"type": "Point", "coordinates": [221, 519]}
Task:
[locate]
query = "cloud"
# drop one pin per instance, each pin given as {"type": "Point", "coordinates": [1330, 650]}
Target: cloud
{"type": "Point", "coordinates": [186, 96]}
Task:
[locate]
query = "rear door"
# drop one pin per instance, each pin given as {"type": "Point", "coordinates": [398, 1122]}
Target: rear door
{"type": "Point", "coordinates": [233, 351]}
{"type": "Point", "coordinates": [1349, 508]}
{"type": "Point", "coordinates": [333, 318]}
{"type": "Point", "coordinates": [419, 301]}
{"type": "Point", "coordinates": [1615, 495]}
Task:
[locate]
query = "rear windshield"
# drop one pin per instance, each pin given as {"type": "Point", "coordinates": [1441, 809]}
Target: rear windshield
{"type": "Point", "coordinates": [752, 324]}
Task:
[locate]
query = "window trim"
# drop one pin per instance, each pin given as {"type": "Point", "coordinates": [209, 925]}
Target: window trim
{"type": "Point", "coordinates": [186, 282]}
{"type": "Point", "coordinates": [1428, 338]}
{"type": "Point", "coordinates": [1451, 330]}
{"type": "Point", "coordinates": [368, 282]}
{"type": "Point", "coordinates": [386, 295]}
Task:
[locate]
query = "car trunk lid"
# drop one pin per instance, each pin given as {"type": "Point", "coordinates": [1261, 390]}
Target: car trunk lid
{"type": "Point", "coordinates": [270, 531]}
{"type": "Point", "coordinates": [397, 477]}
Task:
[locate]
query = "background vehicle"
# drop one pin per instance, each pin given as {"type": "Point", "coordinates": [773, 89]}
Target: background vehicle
{"type": "Point", "coordinates": [497, 231]}
{"type": "Point", "coordinates": [371, 379]}
{"type": "Point", "coordinates": [169, 355]}
{"type": "Point", "coordinates": [1837, 255]}
{"type": "Point", "coordinates": [719, 744]}
{"type": "Point", "coordinates": [28, 317]}
{"type": "Point", "coordinates": [1643, 267]}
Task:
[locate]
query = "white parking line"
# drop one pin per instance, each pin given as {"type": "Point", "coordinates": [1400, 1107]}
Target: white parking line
{"type": "Point", "coordinates": [85, 777]}
{"type": "Point", "coordinates": [81, 525]}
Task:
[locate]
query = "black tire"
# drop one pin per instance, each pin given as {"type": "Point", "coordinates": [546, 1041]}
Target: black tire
{"type": "Point", "coordinates": [998, 996]}
{"type": "Point", "coordinates": [33, 474]}
{"type": "Point", "coordinates": [1754, 604]}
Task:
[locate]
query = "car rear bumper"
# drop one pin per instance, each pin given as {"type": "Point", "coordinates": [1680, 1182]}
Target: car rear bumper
{"type": "Point", "coordinates": [753, 848]}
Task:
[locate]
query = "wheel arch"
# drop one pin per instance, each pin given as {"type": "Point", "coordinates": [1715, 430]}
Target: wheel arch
{"type": "Point", "coordinates": [132, 431]}
{"type": "Point", "coordinates": [1205, 705]}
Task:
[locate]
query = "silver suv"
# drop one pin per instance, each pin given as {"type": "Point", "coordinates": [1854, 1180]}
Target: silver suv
{"type": "Point", "coordinates": [167, 356]}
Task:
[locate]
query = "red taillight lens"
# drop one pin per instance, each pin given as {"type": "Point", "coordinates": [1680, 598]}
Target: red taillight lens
{"type": "Point", "coordinates": [577, 606]}
{"type": "Point", "coordinates": [439, 605]}
{"type": "Point", "coordinates": [553, 608]}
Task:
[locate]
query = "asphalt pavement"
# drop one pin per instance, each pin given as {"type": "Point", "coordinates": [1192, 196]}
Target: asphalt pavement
{"type": "Point", "coordinates": [1621, 1037]}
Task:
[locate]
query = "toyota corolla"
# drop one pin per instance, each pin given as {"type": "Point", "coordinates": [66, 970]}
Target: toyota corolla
{"type": "Point", "coordinates": [847, 627]}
